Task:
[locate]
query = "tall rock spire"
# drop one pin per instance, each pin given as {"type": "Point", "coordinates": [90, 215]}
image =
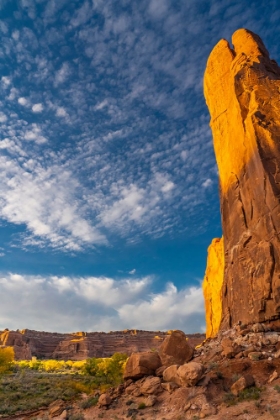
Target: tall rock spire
{"type": "Point", "coordinates": [242, 91]}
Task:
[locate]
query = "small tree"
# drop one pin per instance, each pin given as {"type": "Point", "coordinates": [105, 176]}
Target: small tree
{"type": "Point", "coordinates": [91, 366]}
{"type": "Point", "coordinates": [116, 367]}
{"type": "Point", "coordinates": [7, 356]}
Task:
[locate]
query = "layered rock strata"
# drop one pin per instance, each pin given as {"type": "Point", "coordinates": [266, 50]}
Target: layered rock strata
{"type": "Point", "coordinates": [82, 345]}
{"type": "Point", "coordinates": [242, 86]}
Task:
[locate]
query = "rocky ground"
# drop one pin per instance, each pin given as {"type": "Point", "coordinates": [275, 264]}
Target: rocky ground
{"type": "Point", "coordinates": [234, 376]}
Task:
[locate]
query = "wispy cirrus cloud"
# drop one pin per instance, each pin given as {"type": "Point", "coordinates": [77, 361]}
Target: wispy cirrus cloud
{"type": "Point", "coordinates": [107, 105]}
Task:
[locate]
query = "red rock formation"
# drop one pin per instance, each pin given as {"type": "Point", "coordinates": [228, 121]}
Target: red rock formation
{"type": "Point", "coordinates": [81, 345]}
{"type": "Point", "coordinates": [175, 349]}
{"type": "Point", "coordinates": [242, 87]}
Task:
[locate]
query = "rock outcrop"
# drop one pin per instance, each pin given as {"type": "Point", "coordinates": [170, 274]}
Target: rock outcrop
{"type": "Point", "coordinates": [212, 286]}
{"type": "Point", "coordinates": [242, 87]}
{"type": "Point", "coordinates": [141, 364]}
{"type": "Point", "coordinates": [175, 349]}
{"type": "Point", "coordinates": [81, 345]}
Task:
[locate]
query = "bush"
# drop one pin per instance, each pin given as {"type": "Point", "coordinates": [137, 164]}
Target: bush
{"type": "Point", "coordinates": [7, 356]}
{"type": "Point", "coordinates": [277, 388]}
{"type": "Point", "coordinates": [106, 370]}
{"type": "Point", "coordinates": [89, 402]}
{"type": "Point", "coordinates": [252, 393]}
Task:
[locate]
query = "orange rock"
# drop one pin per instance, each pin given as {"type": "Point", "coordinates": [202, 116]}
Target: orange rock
{"type": "Point", "coordinates": [212, 286]}
{"type": "Point", "coordinates": [242, 383]}
{"type": "Point", "coordinates": [241, 87]}
{"type": "Point", "coordinates": [151, 385]}
{"type": "Point", "coordinates": [175, 349]}
{"type": "Point", "coordinates": [141, 364]}
{"type": "Point", "coordinates": [104, 400]}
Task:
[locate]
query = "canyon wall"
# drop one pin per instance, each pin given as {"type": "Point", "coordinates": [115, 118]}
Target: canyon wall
{"type": "Point", "coordinates": [241, 87]}
{"type": "Point", "coordinates": [82, 345]}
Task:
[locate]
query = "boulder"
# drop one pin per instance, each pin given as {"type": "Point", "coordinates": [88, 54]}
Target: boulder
{"type": "Point", "coordinates": [170, 374]}
{"type": "Point", "coordinates": [104, 400]}
{"type": "Point", "coordinates": [241, 86]}
{"type": "Point", "coordinates": [133, 389]}
{"type": "Point", "coordinates": [160, 370]}
{"type": "Point", "coordinates": [151, 385]}
{"type": "Point", "coordinates": [244, 382]}
{"type": "Point", "coordinates": [150, 401]}
{"type": "Point", "coordinates": [169, 386]}
{"type": "Point", "coordinates": [272, 377]}
{"type": "Point", "coordinates": [175, 349]}
{"type": "Point", "coordinates": [190, 373]}
{"type": "Point", "coordinates": [141, 364]}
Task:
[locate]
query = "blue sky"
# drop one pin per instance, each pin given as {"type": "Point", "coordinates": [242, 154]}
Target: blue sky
{"type": "Point", "coordinates": [108, 182]}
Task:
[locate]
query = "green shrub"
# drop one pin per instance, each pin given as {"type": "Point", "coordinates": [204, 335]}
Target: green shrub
{"type": "Point", "coordinates": [89, 402]}
{"type": "Point", "coordinates": [229, 398]}
{"type": "Point", "coordinates": [252, 393]}
{"type": "Point", "coordinates": [141, 406]}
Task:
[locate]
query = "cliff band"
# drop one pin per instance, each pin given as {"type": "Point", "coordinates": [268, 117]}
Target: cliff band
{"type": "Point", "coordinates": [241, 87]}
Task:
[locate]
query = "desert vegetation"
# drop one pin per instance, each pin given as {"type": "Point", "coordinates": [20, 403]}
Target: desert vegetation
{"type": "Point", "coordinates": [29, 385]}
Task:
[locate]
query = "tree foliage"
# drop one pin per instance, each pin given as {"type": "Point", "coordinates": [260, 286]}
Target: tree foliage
{"type": "Point", "coordinates": [7, 356]}
{"type": "Point", "coordinates": [106, 370]}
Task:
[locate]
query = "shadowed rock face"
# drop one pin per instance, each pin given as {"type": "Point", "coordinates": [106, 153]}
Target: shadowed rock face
{"type": "Point", "coordinates": [241, 87]}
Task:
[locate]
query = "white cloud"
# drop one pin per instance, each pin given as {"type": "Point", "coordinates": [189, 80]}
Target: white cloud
{"type": "Point", "coordinates": [13, 93]}
{"type": "Point", "coordinates": [97, 303]}
{"type": "Point", "coordinates": [168, 186]}
{"type": "Point", "coordinates": [158, 8]}
{"type": "Point", "coordinates": [135, 204]}
{"type": "Point", "coordinates": [132, 271]}
{"type": "Point", "coordinates": [82, 15]}
{"type": "Point", "coordinates": [23, 101]}
{"type": "Point", "coordinates": [6, 80]}
{"type": "Point", "coordinates": [184, 155]}
{"type": "Point", "coordinates": [130, 207]}
{"type": "Point", "coordinates": [15, 35]}
{"type": "Point", "coordinates": [3, 117]}
{"type": "Point", "coordinates": [101, 105]}
{"type": "Point", "coordinates": [60, 112]}
{"type": "Point", "coordinates": [35, 134]}
{"type": "Point", "coordinates": [3, 26]}
{"type": "Point", "coordinates": [62, 74]}
{"type": "Point", "coordinates": [166, 309]}
{"type": "Point", "coordinates": [44, 199]}
{"type": "Point", "coordinates": [37, 108]}
{"type": "Point", "coordinates": [207, 183]}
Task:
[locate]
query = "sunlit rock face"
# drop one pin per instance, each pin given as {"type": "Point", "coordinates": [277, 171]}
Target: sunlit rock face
{"type": "Point", "coordinates": [212, 286]}
{"type": "Point", "coordinates": [242, 90]}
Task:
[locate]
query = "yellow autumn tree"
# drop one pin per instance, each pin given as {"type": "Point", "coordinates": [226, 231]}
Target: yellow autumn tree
{"type": "Point", "coordinates": [7, 356]}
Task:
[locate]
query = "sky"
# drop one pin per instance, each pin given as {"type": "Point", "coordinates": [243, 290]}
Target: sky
{"type": "Point", "coordinates": [108, 181]}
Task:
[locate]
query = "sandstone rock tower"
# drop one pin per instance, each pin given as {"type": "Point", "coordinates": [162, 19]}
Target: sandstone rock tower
{"type": "Point", "coordinates": [242, 91]}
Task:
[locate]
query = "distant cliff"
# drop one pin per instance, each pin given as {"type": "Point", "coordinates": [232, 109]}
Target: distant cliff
{"type": "Point", "coordinates": [241, 87]}
{"type": "Point", "coordinates": [82, 345]}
